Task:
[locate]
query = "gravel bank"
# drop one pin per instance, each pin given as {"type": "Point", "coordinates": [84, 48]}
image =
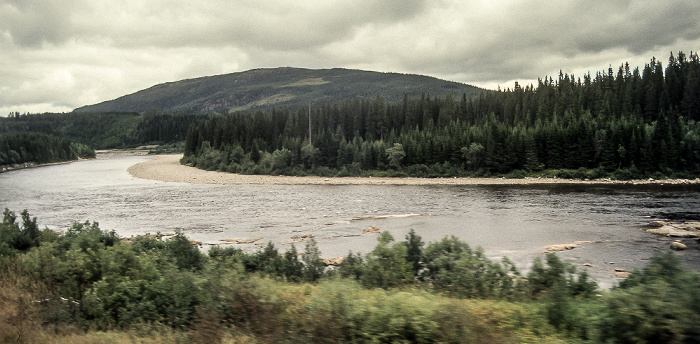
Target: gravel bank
{"type": "Point", "coordinates": [168, 168]}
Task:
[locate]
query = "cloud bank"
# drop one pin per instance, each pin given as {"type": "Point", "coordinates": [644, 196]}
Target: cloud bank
{"type": "Point", "coordinates": [59, 55]}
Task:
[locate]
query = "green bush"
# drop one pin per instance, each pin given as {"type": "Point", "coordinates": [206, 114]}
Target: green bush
{"type": "Point", "coordinates": [660, 304]}
{"type": "Point", "coordinates": [516, 174]}
{"type": "Point", "coordinates": [387, 265]}
{"type": "Point", "coordinates": [627, 174]}
{"type": "Point", "coordinates": [185, 255]}
{"type": "Point", "coordinates": [352, 170]}
{"type": "Point", "coordinates": [452, 266]}
{"type": "Point", "coordinates": [445, 292]}
{"type": "Point", "coordinates": [419, 170]}
{"type": "Point", "coordinates": [15, 238]}
{"type": "Point", "coordinates": [566, 174]}
{"type": "Point", "coordinates": [542, 279]}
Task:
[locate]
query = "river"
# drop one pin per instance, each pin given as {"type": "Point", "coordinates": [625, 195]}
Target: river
{"type": "Point", "coordinates": [505, 220]}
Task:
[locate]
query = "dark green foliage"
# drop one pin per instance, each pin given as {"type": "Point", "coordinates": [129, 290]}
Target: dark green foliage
{"type": "Point", "coordinates": [98, 130]}
{"type": "Point", "coordinates": [387, 265]}
{"type": "Point", "coordinates": [20, 148]}
{"type": "Point", "coordinates": [314, 266]}
{"type": "Point", "coordinates": [619, 126]}
{"type": "Point", "coordinates": [293, 269]}
{"type": "Point", "coordinates": [452, 266]}
{"type": "Point", "coordinates": [660, 304]}
{"type": "Point", "coordinates": [90, 279]}
{"type": "Point", "coordinates": [558, 275]}
{"type": "Point", "coordinates": [352, 266]}
{"type": "Point", "coordinates": [625, 125]}
{"type": "Point", "coordinates": [15, 238]}
{"type": "Point", "coordinates": [414, 251]}
{"type": "Point", "coordinates": [267, 260]}
{"type": "Point", "coordinates": [185, 255]}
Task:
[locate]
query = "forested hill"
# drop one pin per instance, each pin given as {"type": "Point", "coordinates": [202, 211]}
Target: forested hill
{"type": "Point", "coordinates": [262, 89]}
{"type": "Point", "coordinates": [629, 123]}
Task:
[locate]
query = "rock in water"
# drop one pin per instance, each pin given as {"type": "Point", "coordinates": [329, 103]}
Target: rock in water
{"type": "Point", "coordinates": [371, 230]}
{"type": "Point", "coordinates": [678, 246]}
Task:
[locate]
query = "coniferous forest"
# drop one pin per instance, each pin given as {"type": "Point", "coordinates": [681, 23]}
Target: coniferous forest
{"type": "Point", "coordinates": [625, 123]}
{"type": "Point", "coordinates": [105, 130]}
{"type": "Point", "coordinates": [22, 148]}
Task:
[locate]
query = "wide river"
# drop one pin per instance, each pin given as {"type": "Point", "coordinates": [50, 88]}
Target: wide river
{"type": "Point", "coordinates": [505, 220]}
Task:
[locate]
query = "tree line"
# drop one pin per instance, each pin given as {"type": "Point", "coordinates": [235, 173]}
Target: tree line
{"type": "Point", "coordinates": [21, 148]}
{"type": "Point", "coordinates": [90, 283]}
{"type": "Point", "coordinates": [627, 124]}
{"type": "Point", "coordinates": [106, 130]}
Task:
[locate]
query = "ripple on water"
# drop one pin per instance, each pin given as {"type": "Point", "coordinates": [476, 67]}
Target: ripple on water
{"type": "Point", "coordinates": [512, 220]}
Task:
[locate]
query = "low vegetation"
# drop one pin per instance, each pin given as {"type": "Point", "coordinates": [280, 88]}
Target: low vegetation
{"type": "Point", "coordinates": [87, 285]}
{"type": "Point", "coordinates": [268, 88]}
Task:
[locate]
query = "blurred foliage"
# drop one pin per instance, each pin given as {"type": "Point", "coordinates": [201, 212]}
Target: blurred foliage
{"type": "Point", "coordinates": [89, 285]}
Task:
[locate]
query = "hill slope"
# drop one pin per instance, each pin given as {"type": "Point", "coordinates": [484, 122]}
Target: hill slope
{"type": "Point", "coordinates": [261, 89]}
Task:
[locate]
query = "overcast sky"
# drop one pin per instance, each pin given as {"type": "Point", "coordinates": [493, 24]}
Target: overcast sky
{"type": "Point", "coordinates": [56, 55]}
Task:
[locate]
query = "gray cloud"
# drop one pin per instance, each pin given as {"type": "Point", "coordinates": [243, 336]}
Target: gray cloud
{"type": "Point", "coordinates": [525, 39]}
{"type": "Point", "coordinates": [68, 53]}
{"type": "Point", "coordinates": [280, 25]}
{"type": "Point", "coordinates": [35, 22]}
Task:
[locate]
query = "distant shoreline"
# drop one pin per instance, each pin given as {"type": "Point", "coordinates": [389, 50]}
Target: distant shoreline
{"type": "Point", "coordinates": [27, 165]}
{"type": "Point", "coordinates": [168, 168]}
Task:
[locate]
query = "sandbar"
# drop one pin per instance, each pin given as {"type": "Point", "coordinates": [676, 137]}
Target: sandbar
{"type": "Point", "coordinates": [167, 168]}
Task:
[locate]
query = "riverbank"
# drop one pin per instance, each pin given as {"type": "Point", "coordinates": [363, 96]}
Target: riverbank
{"type": "Point", "coordinates": [32, 165]}
{"type": "Point", "coordinates": [168, 168]}
{"type": "Point", "coordinates": [607, 222]}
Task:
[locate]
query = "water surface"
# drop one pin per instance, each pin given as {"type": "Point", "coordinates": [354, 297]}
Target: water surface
{"type": "Point", "coordinates": [506, 220]}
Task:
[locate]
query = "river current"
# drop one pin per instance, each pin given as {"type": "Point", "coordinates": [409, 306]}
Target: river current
{"type": "Point", "coordinates": [505, 220]}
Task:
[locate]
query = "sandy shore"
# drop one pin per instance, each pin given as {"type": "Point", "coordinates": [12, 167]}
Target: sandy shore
{"type": "Point", "coordinates": [168, 168]}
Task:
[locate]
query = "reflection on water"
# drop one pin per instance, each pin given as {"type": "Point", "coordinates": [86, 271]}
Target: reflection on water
{"type": "Point", "coordinates": [513, 221]}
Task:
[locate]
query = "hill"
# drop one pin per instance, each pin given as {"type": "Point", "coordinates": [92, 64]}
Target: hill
{"type": "Point", "coordinates": [633, 124]}
{"type": "Point", "coordinates": [262, 89]}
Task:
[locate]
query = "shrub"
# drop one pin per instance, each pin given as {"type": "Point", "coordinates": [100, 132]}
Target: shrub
{"type": "Point", "coordinates": [387, 265]}
{"type": "Point", "coordinates": [566, 174]}
{"type": "Point", "coordinates": [420, 170]}
{"type": "Point", "coordinates": [542, 279]}
{"type": "Point", "coordinates": [660, 304]}
{"type": "Point", "coordinates": [185, 255]}
{"type": "Point", "coordinates": [351, 170]}
{"type": "Point", "coordinates": [15, 238]}
{"type": "Point", "coordinates": [516, 174]}
{"type": "Point", "coordinates": [313, 267]}
{"type": "Point", "coordinates": [452, 266]}
{"type": "Point", "coordinates": [627, 173]}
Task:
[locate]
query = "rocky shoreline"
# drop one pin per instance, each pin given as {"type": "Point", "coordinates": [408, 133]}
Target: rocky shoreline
{"type": "Point", "coordinates": [675, 229]}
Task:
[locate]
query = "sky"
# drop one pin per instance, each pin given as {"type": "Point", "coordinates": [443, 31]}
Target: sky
{"type": "Point", "coordinates": [57, 55]}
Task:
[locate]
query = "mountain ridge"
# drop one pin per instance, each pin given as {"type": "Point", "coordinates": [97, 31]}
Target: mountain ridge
{"type": "Point", "coordinates": [265, 88]}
